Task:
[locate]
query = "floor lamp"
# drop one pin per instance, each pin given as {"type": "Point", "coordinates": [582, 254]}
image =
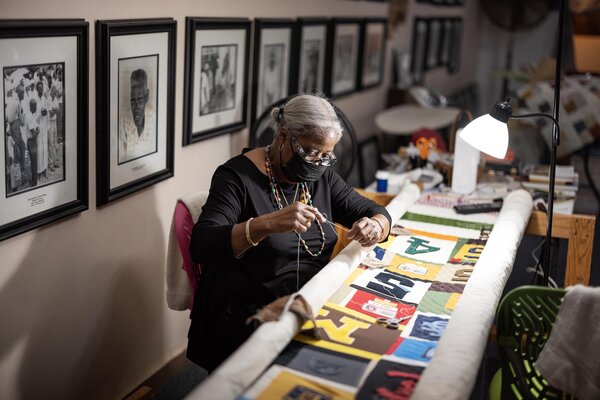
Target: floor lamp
{"type": "Point", "coordinates": [489, 134]}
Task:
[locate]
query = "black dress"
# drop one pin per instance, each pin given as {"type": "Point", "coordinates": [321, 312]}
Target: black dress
{"type": "Point", "coordinates": [232, 289]}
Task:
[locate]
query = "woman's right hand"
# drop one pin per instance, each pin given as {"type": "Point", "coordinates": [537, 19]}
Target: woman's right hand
{"type": "Point", "coordinates": [296, 217]}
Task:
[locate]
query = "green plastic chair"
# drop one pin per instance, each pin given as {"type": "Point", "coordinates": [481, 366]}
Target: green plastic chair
{"type": "Point", "coordinates": [523, 324]}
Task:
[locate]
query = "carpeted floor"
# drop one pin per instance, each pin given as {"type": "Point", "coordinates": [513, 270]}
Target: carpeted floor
{"type": "Point", "coordinates": [172, 382]}
{"type": "Point", "coordinates": [182, 383]}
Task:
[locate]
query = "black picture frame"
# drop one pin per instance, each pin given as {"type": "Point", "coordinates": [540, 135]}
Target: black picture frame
{"type": "Point", "coordinates": [419, 49]}
{"type": "Point", "coordinates": [312, 36]}
{"type": "Point", "coordinates": [223, 110]}
{"type": "Point", "coordinates": [133, 55]}
{"type": "Point", "coordinates": [58, 57]}
{"type": "Point", "coordinates": [344, 55]}
{"type": "Point", "coordinates": [455, 45]}
{"type": "Point", "coordinates": [372, 52]}
{"type": "Point", "coordinates": [275, 39]}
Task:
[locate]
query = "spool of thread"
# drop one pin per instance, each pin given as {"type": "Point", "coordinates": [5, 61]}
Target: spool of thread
{"type": "Point", "coordinates": [382, 178]}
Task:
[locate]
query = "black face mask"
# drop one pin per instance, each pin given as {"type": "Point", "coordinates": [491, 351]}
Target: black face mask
{"type": "Point", "coordinates": [298, 170]}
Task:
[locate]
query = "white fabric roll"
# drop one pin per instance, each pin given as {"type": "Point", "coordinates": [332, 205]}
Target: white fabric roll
{"type": "Point", "coordinates": [452, 372]}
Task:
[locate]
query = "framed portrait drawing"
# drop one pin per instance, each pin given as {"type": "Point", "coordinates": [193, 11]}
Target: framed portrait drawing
{"type": "Point", "coordinates": [274, 63]}
{"type": "Point", "coordinates": [419, 49]}
{"type": "Point", "coordinates": [135, 89]}
{"type": "Point", "coordinates": [312, 36]}
{"type": "Point", "coordinates": [434, 38]}
{"type": "Point", "coordinates": [372, 51]}
{"type": "Point", "coordinates": [344, 42]}
{"type": "Point", "coordinates": [44, 111]}
{"type": "Point", "coordinates": [216, 70]}
{"type": "Point", "coordinates": [455, 45]}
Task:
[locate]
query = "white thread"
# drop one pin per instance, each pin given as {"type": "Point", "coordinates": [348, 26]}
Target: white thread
{"type": "Point", "coordinates": [387, 290]}
{"type": "Point", "coordinates": [333, 225]}
{"type": "Point", "coordinates": [298, 266]}
{"type": "Point", "coordinates": [332, 228]}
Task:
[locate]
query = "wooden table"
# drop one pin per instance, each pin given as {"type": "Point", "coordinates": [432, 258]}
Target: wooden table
{"type": "Point", "coordinates": [578, 229]}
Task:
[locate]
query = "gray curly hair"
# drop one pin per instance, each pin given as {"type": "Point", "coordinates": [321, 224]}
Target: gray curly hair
{"type": "Point", "coordinates": [306, 115]}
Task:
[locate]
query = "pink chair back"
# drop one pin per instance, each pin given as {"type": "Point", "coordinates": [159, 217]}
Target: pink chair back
{"type": "Point", "coordinates": [183, 232]}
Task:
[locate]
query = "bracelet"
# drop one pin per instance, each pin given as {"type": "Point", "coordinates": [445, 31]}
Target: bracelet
{"type": "Point", "coordinates": [248, 233]}
{"type": "Point", "coordinates": [382, 230]}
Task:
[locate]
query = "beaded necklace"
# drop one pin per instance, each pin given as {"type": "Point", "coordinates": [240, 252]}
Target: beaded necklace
{"type": "Point", "coordinates": [304, 198]}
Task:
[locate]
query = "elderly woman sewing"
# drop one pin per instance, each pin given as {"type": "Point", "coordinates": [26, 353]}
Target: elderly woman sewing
{"type": "Point", "coordinates": [265, 229]}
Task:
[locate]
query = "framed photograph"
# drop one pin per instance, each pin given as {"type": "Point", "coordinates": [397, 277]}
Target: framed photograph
{"type": "Point", "coordinates": [445, 42]}
{"type": "Point", "coordinates": [312, 47]}
{"type": "Point", "coordinates": [344, 41]}
{"type": "Point", "coordinates": [274, 64]}
{"type": "Point", "coordinates": [434, 38]}
{"type": "Point", "coordinates": [44, 146]}
{"type": "Point", "coordinates": [216, 71]}
{"type": "Point", "coordinates": [455, 45]}
{"type": "Point", "coordinates": [419, 49]}
{"type": "Point", "coordinates": [135, 89]}
{"type": "Point", "coordinates": [372, 51]}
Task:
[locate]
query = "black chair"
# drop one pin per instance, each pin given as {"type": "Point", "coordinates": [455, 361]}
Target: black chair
{"type": "Point", "coordinates": [346, 150]}
{"type": "Point", "coordinates": [369, 160]}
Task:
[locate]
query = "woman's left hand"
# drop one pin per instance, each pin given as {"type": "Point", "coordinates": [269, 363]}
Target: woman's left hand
{"type": "Point", "coordinates": [365, 231]}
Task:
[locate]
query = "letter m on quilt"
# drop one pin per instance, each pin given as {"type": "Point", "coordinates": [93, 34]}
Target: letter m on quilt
{"type": "Point", "coordinates": [341, 334]}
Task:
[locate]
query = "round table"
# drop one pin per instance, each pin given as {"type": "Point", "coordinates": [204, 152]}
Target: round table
{"type": "Point", "coordinates": [405, 119]}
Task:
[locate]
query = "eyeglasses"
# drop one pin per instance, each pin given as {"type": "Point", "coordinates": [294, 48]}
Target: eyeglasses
{"type": "Point", "coordinates": [326, 160]}
{"type": "Point", "coordinates": [139, 100]}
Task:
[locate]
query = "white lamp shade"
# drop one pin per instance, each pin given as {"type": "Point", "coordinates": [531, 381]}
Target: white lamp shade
{"type": "Point", "coordinates": [487, 134]}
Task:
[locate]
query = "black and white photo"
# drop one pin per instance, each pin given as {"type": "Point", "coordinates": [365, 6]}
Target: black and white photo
{"type": "Point", "coordinates": [455, 45]}
{"type": "Point", "coordinates": [419, 46]}
{"type": "Point", "coordinates": [312, 47]}
{"type": "Point", "coordinates": [273, 64]}
{"type": "Point", "coordinates": [446, 41]}
{"type": "Point", "coordinates": [135, 124]}
{"type": "Point", "coordinates": [217, 78]}
{"type": "Point", "coordinates": [373, 52]}
{"type": "Point", "coordinates": [271, 74]}
{"type": "Point", "coordinates": [344, 65]}
{"type": "Point", "coordinates": [216, 70]}
{"type": "Point", "coordinates": [138, 94]}
{"type": "Point", "coordinates": [44, 122]}
{"type": "Point", "coordinates": [434, 38]}
{"type": "Point", "coordinates": [33, 126]}
{"type": "Point", "coordinates": [343, 71]}
{"type": "Point", "coordinates": [310, 66]}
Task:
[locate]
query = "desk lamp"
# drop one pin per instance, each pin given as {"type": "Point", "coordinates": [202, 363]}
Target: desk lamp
{"type": "Point", "coordinates": [489, 133]}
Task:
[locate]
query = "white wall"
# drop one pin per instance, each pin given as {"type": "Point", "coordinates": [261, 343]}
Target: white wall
{"type": "Point", "coordinates": [529, 47]}
{"type": "Point", "coordinates": [82, 308]}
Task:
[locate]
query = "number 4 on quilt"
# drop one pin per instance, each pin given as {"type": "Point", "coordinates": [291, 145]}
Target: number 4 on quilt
{"type": "Point", "coordinates": [419, 246]}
